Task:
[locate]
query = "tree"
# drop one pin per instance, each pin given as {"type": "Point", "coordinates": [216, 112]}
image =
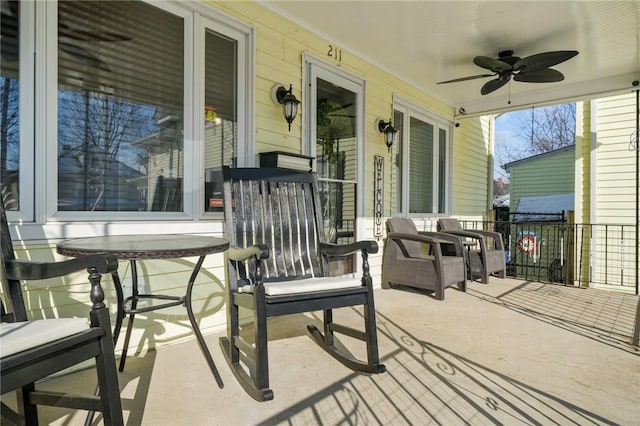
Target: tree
{"type": "Point", "coordinates": [97, 157]}
{"type": "Point", "coordinates": [541, 130]}
{"type": "Point", "coordinates": [9, 141]}
{"type": "Point", "coordinates": [549, 128]}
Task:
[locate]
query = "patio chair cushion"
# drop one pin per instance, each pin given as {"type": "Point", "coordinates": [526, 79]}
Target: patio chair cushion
{"type": "Point", "coordinates": [306, 285]}
{"type": "Point", "coordinates": [20, 336]}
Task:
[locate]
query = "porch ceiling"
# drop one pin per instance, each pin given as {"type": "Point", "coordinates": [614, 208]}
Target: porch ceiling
{"type": "Point", "coordinates": [425, 42]}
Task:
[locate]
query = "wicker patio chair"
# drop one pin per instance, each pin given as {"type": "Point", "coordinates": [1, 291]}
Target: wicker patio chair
{"type": "Point", "coordinates": [416, 259]}
{"type": "Point", "coordinates": [487, 257]}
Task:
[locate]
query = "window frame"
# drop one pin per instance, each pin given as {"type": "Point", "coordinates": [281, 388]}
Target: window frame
{"type": "Point", "coordinates": [243, 34]}
{"type": "Point", "coordinates": [408, 110]}
{"type": "Point", "coordinates": [38, 125]}
{"type": "Point", "coordinates": [27, 151]}
{"type": "Point", "coordinates": [316, 68]}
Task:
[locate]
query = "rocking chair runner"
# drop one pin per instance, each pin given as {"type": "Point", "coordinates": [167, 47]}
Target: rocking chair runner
{"type": "Point", "coordinates": [277, 265]}
{"type": "Point", "coordinates": [33, 350]}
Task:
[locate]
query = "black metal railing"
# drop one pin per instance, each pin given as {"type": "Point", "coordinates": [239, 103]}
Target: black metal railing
{"type": "Point", "coordinates": [569, 253]}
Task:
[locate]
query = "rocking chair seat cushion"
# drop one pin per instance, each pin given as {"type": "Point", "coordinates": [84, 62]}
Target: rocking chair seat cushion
{"type": "Point", "coordinates": [306, 285]}
{"type": "Point", "coordinates": [21, 336]}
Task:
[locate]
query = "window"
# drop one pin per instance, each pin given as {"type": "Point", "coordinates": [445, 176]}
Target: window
{"type": "Point", "coordinates": [120, 107]}
{"type": "Point", "coordinates": [16, 108]}
{"type": "Point", "coordinates": [148, 100]}
{"type": "Point", "coordinates": [221, 118]}
{"type": "Point", "coordinates": [421, 164]}
{"type": "Point", "coordinates": [9, 102]}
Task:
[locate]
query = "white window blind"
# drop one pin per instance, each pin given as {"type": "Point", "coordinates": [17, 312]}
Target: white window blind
{"type": "Point", "coordinates": [421, 152]}
{"type": "Point", "coordinates": [421, 164]}
{"type": "Point", "coordinates": [120, 107]}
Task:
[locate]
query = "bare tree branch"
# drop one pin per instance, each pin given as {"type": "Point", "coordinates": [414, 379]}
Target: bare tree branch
{"type": "Point", "coordinates": [549, 128]}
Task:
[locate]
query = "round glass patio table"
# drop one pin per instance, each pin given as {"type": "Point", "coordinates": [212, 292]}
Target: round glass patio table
{"type": "Point", "coordinates": [141, 247]}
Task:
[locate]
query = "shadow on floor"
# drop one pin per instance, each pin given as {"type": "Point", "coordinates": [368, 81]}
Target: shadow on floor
{"type": "Point", "coordinates": [428, 384]}
{"type": "Point", "coordinates": [601, 315]}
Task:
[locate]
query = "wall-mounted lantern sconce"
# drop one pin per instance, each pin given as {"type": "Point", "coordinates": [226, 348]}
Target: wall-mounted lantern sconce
{"type": "Point", "coordinates": [389, 132]}
{"type": "Point", "coordinates": [289, 103]}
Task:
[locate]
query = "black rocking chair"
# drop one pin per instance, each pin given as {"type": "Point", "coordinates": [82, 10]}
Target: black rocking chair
{"type": "Point", "coordinates": [33, 350]}
{"type": "Point", "coordinates": [277, 265]}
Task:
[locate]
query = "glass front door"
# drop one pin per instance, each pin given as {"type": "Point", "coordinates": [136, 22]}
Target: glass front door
{"type": "Point", "coordinates": [336, 105]}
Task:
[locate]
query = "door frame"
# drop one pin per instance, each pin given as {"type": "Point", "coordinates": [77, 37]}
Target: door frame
{"type": "Point", "coordinates": [313, 68]}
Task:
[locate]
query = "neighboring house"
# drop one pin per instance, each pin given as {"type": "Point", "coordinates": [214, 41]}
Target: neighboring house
{"type": "Point", "coordinates": [550, 173]}
{"type": "Point", "coordinates": [541, 196]}
{"type": "Point", "coordinates": [598, 177]}
{"type": "Point", "coordinates": [606, 191]}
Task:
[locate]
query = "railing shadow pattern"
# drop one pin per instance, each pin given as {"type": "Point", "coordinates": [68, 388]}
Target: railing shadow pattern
{"type": "Point", "coordinates": [602, 315]}
{"type": "Point", "coordinates": [428, 384]}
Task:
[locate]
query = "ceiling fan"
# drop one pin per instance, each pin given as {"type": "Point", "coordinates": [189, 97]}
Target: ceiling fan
{"type": "Point", "coordinates": [532, 69]}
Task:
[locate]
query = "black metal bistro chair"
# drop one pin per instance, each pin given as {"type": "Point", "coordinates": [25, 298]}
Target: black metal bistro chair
{"type": "Point", "coordinates": [31, 350]}
{"type": "Point", "coordinates": [277, 265]}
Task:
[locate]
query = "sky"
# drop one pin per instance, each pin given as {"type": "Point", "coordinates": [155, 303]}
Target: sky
{"type": "Point", "coordinates": [508, 129]}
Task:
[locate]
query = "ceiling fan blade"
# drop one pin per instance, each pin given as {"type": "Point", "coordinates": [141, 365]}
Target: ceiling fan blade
{"type": "Point", "coordinates": [495, 65]}
{"type": "Point", "coordinates": [543, 76]}
{"type": "Point", "coordinates": [492, 85]}
{"type": "Point", "coordinates": [541, 61]}
{"type": "Point", "coordinates": [472, 77]}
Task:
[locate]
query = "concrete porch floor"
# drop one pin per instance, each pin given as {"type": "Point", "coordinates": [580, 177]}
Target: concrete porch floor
{"type": "Point", "coordinates": [510, 352]}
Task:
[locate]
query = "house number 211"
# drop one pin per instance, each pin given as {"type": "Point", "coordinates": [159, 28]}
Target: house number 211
{"type": "Point", "coordinates": [335, 53]}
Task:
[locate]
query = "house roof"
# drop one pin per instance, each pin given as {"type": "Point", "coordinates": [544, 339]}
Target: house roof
{"type": "Point", "coordinates": [502, 201]}
{"type": "Point", "coordinates": [538, 156]}
{"type": "Point", "coordinates": [544, 207]}
{"type": "Point", "coordinates": [426, 42]}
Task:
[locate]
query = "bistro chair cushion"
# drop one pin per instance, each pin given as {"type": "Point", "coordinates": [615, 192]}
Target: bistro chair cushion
{"type": "Point", "coordinates": [20, 336]}
{"type": "Point", "coordinates": [277, 264]}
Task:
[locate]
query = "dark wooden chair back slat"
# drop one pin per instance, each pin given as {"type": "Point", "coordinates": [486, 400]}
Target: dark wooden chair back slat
{"type": "Point", "coordinates": [168, 195]}
{"type": "Point", "coordinates": [282, 214]}
{"type": "Point", "coordinates": [277, 265]}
